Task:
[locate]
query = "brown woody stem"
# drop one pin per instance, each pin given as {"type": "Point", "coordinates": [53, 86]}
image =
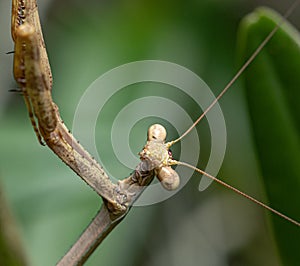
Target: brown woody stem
{"type": "Point", "coordinates": [90, 239]}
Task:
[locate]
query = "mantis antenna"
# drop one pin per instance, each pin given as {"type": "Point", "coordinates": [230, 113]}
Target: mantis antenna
{"type": "Point", "coordinates": [158, 152]}
{"type": "Point", "coordinates": [236, 76]}
{"type": "Point", "coordinates": [241, 70]}
{"type": "Point", "coordinates": [174, 162]}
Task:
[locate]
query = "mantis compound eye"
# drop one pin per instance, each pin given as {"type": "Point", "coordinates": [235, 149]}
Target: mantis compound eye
{"type": "Point", "coordinates": [168, 177]}
{"type": "Point", "coordinates": [157, 132]}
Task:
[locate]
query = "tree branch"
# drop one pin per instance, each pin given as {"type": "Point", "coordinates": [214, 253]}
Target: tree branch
{"type": "Point", "coordinates": [89, 240]}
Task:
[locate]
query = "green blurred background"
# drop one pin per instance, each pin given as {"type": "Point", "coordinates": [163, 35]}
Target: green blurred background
{"type": "Point", "coordinates": [51, 205]}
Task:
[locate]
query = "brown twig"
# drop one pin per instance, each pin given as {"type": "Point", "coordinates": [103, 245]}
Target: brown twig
{"type": "Point", "coordinates": [101, 226]}
{"type": "Point", "coordinates": [90, 239]}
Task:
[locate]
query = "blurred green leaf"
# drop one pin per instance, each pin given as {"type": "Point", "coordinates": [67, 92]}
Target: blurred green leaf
{"type": "Point", "coordinates": [272, 89]}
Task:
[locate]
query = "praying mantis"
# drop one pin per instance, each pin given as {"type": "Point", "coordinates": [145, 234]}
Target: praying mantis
{"type": "Point", "coordinates": [53, 110]}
